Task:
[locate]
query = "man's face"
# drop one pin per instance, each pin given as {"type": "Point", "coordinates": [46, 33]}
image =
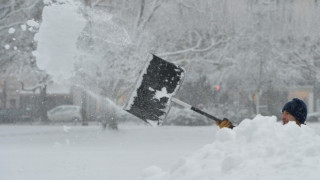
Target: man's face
{"type": "Point", "coordinates": [286, 117]}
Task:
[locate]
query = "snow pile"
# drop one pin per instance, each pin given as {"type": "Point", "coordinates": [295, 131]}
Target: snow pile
{"type": "Point", "coordinates": [260, 148]}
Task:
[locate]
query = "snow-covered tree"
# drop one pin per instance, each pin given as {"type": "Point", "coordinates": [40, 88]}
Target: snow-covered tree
{"type": "Point", "coordinates": [247, 47]}
{"type": "Point", "coordinates": [16, 34]}
{"type": "Point", "coordinates": [18, 24]}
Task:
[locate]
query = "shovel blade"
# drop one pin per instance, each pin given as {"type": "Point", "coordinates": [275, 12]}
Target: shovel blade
{"type": "Point", "coordinates": [159, 81]}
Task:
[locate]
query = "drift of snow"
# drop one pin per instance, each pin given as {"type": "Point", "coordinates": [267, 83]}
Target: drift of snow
{"type": "Point", "coordinates": [57, 39]}
{"type": "Point", "coordinates": [256, 149]}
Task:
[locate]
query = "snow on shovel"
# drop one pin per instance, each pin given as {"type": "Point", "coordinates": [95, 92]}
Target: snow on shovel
{"type": "Point", "coordinates": [159, 81]}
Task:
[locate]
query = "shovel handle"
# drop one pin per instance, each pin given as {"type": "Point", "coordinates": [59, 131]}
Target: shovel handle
{"type": "Point", "coordinates": [205, 114]}
{"type": "Point", "coordinates": [194, 109]}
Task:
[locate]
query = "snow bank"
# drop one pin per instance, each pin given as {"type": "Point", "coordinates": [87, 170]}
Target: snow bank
{"type": "Point", "coordinates": [261, 148]}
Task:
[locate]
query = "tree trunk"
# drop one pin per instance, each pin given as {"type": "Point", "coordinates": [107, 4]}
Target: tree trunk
{"type": "Point", "coordinates": [84, 109]}
{"type": "Point", "coordinates": [43, 104]}
{"type": "Point", "coordinates": [4, 95]}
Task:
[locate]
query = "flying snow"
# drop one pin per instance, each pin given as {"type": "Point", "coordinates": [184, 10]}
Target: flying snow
{"type": "Point", "coordinates": [104, 29]}
{"type": "Point", "coordinates": [23, 27]}
{"type": "Point", "coordinates": [33, 23]}
{"type": "Point", "coordinates": [7, 46]}
{"type": "Point", "coordinates": [11, 30]}
{"type": "Point", "coordinates": [61, 26]}
{"type": "Point", "coordinates": [57, 39]}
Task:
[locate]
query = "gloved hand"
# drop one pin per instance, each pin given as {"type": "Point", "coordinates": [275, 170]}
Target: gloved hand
{"type": "Point", "coordinates": [224, 123]}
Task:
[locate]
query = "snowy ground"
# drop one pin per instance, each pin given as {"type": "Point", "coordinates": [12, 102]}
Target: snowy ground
{"type": "Point", "coordinates": [82, 153]}
{"type": "Point", "coordinates": [168, 152]}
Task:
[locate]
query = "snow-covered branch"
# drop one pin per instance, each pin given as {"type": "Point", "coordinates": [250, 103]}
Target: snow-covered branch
{"type": "Point", "coordinates": [33, 89]}
{"type": "Point", "coordinates": [22, 9]}
{"type": "Point", "coordinates": [13, 24]}
{"type": "Point", "coordinates": [194, 49]}
{"type": "Point", "coordinates": [143, 18]}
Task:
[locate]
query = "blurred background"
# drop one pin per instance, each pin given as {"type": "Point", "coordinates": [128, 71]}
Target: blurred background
{"type": "Point", "coordinates": [242, 58]}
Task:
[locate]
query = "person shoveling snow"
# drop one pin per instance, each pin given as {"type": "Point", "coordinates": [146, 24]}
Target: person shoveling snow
{"type": "Point", "coordinates": [259, 148]}
{"type": "Point", "coordinates": [294, 110]}
{"type": "Point", "coordinates": [160, 81]}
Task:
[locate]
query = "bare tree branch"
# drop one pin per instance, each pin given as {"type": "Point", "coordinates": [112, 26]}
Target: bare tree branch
{"type": "Point", "coordinates": [193, 49]}
{"type": "Point", "coordinates": [144, 19]}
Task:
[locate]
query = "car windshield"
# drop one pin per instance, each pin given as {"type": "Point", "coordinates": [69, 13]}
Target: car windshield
{"type": "Point", "coordinates": [56, 110]}
{"type": "Point", "coordinates": [64, 109]}
{"type": "Point", "coordinates": [70, 109]}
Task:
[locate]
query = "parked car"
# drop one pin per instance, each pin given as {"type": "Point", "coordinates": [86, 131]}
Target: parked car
{"type": "Point", "coordinates": [14, 115]}
{"type": "Point", "coordinates": [313, 117]}
{"type": "Point", "coordinates": [65, 113]}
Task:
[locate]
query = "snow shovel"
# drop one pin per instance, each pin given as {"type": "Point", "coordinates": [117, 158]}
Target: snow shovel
{"type": "Point", "coordinates": [156, 86]}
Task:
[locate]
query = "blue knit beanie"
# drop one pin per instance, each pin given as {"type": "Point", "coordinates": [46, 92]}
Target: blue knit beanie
{"type": "Point", "coordinates": [297, 108]}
